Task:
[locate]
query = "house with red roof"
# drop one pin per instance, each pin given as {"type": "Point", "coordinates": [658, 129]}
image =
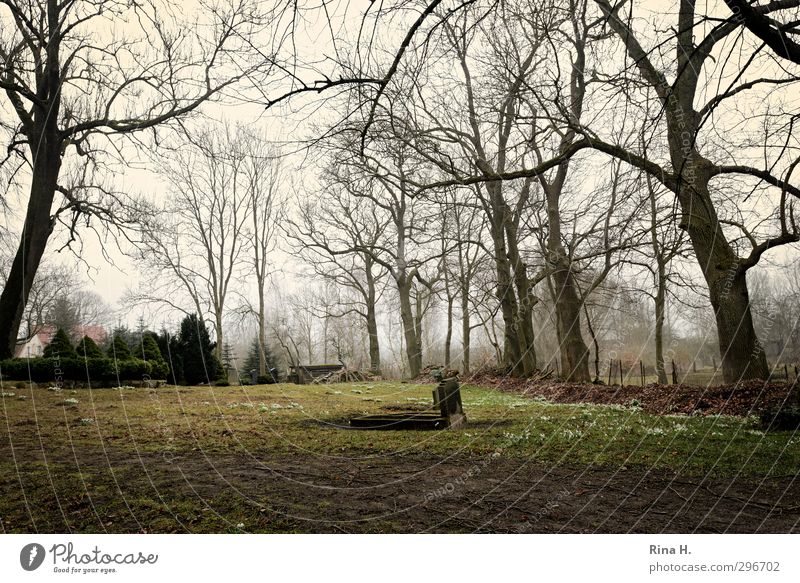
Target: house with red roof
{"type": "Point", "coordinates": [35, 345]}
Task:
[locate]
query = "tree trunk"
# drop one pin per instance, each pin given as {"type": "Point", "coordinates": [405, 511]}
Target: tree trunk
{"type": "Point", "coordinates": [466, 330]}
{"type": "Point", "coordinates": [372, 319]}
{"type": "Point", "coordinates": [449, 335]}
{"type": "Point", "coordinates": [660, 307]}
{"type": "Point", "coordinates": [574, 352]}
{"type": "Point", "coordinates": [524, 320]}
{"type": "Point", "coordinates": [374, 346]}
{"type": "Point", "coordinates": [262, 336]}
{"type": "Point", "coordinates": [413, 349]}
{"type": "Point", "coordinates": [742, 355]}
{"type": "Point", "coordinates": [36, 231]}
{"type": "Point", "coordinates": [44, 140]}
{"type": "Point", "coordinates": [218, 332]}
{"type": "Point", "coordinates": [516, 351]}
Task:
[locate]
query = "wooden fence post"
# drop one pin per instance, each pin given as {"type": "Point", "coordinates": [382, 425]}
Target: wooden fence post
{"type": "Point", "coordinates": [674, 374]}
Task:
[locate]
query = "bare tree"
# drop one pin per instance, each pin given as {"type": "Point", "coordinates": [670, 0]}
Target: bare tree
{"type": "Point", "coordinates": [759, 19]}
{"type": "Point", "coordinates": [74, 87]}
{"type": "Point", "coordinates": [339, 237]}
{"type": "Point", "coordinates": [263, 181]}
{"type": "Point", "coordinates": [199, 245]}
{"type": "Point", "coordinates": [692, 173]}
{"type": "Point", "coordinates": [465, 251]}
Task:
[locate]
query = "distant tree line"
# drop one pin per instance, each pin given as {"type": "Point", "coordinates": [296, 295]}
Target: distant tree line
{"type": "Point", "coordinates": [187, 357]}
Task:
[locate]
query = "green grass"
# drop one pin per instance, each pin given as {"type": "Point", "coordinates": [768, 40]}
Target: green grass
{"type": "Point", "coordinates": [287, 419]}
{"type": "Point", "coordinates": [100, 460]}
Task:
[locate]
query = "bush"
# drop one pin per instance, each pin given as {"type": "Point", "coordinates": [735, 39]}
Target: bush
{"type": "Point", "coordinates": [268, 379]}
{"type": "Point", "coordinates": [56, 370]}
{"type": "Point", "coordinates": [786, 418]}
{"type": "Point", "coordinates": [222, 384]}
{"type": "Point", "coordinates": [88, 348]}
{"type": "Point", "coordinates": [119, 348]}
{"type": "Point", "coordinates": [152, 354]}
{"type": "Point", "coordinates": [60, 347]}
{"type": "Point", "coordinates": [133, 368]}
{"type": "Point", "coordinates": [160, 369]}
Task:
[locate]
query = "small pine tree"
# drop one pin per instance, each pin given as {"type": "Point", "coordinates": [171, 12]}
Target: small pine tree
{"type": "Point", "coordinates": [150, 350]}
{"type": "Point", "coordinates": [60, 346]}
{"type": "Point", "coordinates": [88, 348]}
{"type": "Point", "coordinates": [119, 349]}
{"type": "Point", "coordinates": [175, 359]}
{"type": "Point", "coordinates": [253, 358]}
{"type": "Point", "coordinates": [199, 362]}
{"type": "Point", "coordinates": [251, 362]}
{"type": "Point", "coordinates": [163, 340]}
{"type": "Point", "coordinates": [228, 358]}
{"type": "Point", "coordinates": [152, 354]}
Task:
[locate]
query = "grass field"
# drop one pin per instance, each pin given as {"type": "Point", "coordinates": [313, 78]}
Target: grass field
{"type": "Point", "coordinates": [280, 458]}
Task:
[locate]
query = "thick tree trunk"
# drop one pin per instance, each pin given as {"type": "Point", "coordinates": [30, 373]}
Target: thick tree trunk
{"type": "Point", "coordinates": [574, 352]}
{"type": "Point", "coordinates": [36, 231]}
{"type": "Point", "coordinates": [519, 357]}
{"type": "Point", "coordinates": [742, 356]}
{"type": "Point", "coordinates": [412, 342]}
{"type": "Point", "coordinates": [374, 346]}
{"type": "Point", "coordinates": [524, 319]}
{"type": "Point", "coordinates": [44, 140]}
{"type": "Point", "coordinates": [218, 332]}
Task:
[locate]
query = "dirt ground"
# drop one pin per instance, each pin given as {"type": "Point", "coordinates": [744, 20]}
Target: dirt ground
{"type": "Point", "coordinates": [406, 493]}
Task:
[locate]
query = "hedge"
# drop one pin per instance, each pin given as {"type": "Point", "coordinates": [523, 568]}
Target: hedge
{"type": "Point", "coordinates": [42, 370]}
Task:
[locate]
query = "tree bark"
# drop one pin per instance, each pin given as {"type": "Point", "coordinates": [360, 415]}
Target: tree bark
{"type": "Point", "coordinates": [466, 331]}
{"type": "Point", "coordinates": [449, 335]}
{"type": "Point", "coordinates": [44, 140]}
{"type": "Point", "coordinates": [519, 356]}
{"type": "Point", "coordinates": [36, 231]}
{"type": "Point", "coordinates": [262, 336]}
{"type": "Point", "coordinates": [372, 319]}
{"type": "Point", "coordinates": [412, 342]}
{"type": "Point", "coordinates": [660, 308]}
{"type": "Point", "coordinates": [573, 350]}
{"type": "Point", "coordinates": [742, 356]}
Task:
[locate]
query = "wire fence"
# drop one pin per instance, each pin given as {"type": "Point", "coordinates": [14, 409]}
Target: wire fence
{"type": "Point", "coordinates": [626, 373]}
